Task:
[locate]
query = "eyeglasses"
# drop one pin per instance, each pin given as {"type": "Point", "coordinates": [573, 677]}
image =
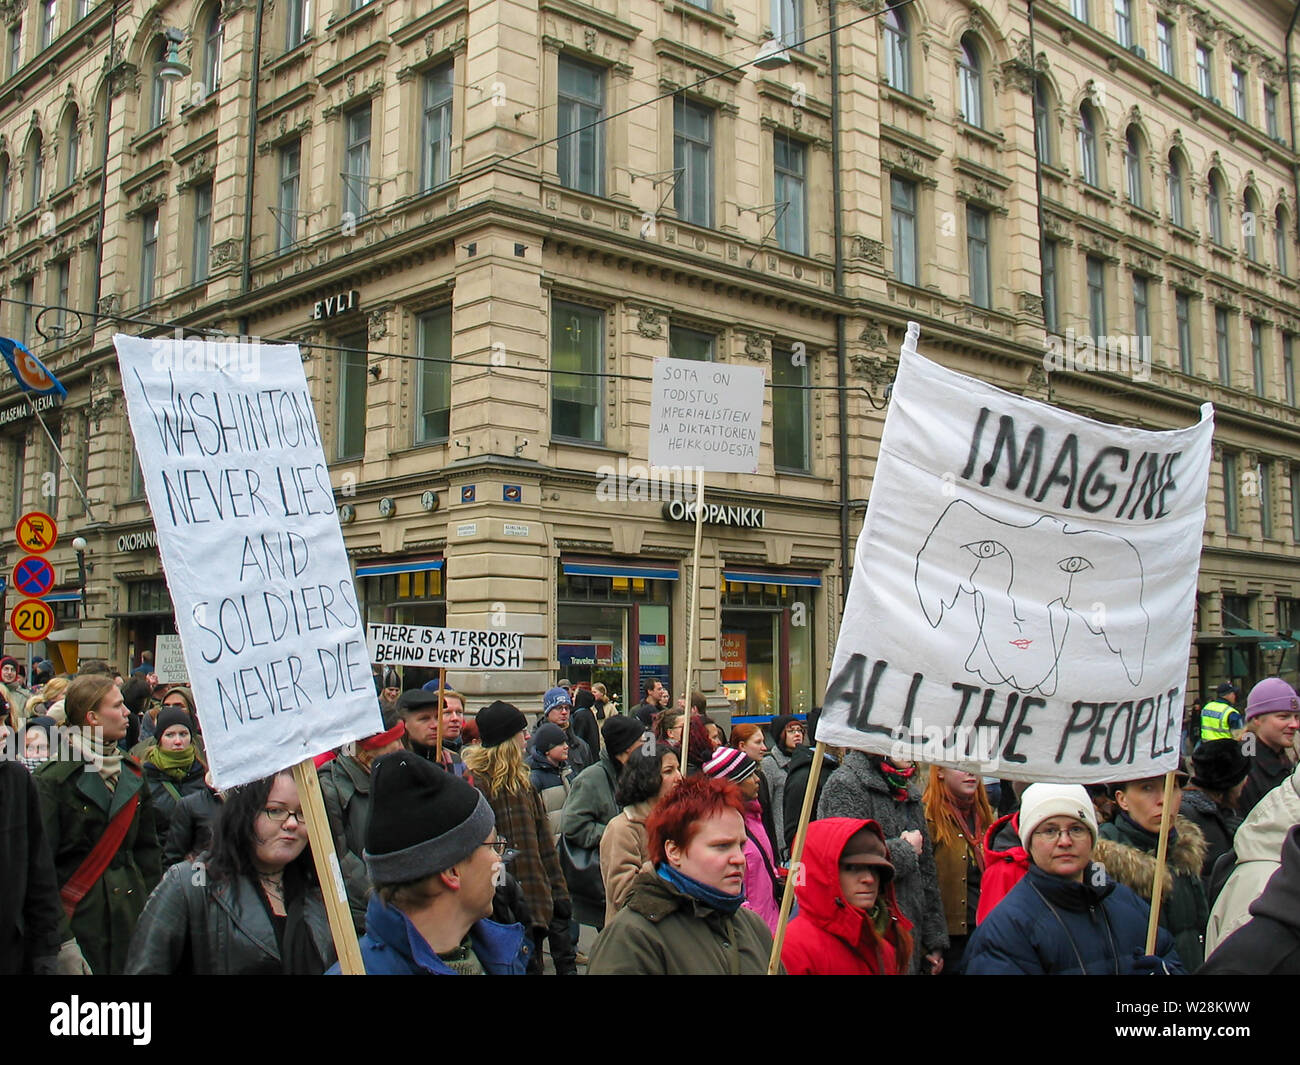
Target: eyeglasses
{"type": "Point", "coordinates": [278, 816]}
{"type": "Point", "coordinates": [503, 849]}
{"type": "Point", "coordinates": [1051, 835]}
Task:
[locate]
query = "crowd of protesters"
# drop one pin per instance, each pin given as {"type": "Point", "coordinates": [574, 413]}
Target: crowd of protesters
{"type": "Point", "coordinates": [481, 843]}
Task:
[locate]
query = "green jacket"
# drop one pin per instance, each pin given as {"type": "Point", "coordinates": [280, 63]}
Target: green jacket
{"type": "Point", "coordinates": [1129, 854]}
{"type": "Point", "coordinates": [661, 932]}
{"type": "Point", "coordinates": [345, 787]}
{"type": "Point", "coordinates": [76, 807]}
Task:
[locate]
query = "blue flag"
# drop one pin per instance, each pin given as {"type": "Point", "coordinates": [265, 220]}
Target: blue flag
{"type": "Point", "coordinates": [31, 372]}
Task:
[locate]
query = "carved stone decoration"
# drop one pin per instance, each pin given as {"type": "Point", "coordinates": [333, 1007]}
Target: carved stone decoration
{"type": "Point", "coordinates": [125, 76]}
{"type": "Point", "coordinates": [873, 251]}
{"type": "Point", "coordinates": [755, 347]}
{"type": "Point", "coordinates": [430, 43]}
{"type": "Point", "coordinates": [589, 39]}
{"type": "Point", "coordinates": [109, 303]}
{"type": "Point", "coordinates": [225, 252]}
{"type": "Point", "coordinates": [1037, 378]}
{"type": "Point", "coordinates": [377, 326]}
{"type": "Point", "coordinates": [650, 323]}
{"type": "Point", "coordinates": [877, 370]}
{"type": "Point", "coordinates": [1031, 303]}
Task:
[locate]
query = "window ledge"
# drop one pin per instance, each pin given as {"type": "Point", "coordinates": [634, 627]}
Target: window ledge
{"type": "Point", "coordinates": [149, 137]}
{"type": "Point", "coordinates": [1096, 192]}
{"type": "Point", "coordinates": [585, 445]}
{"type": "Point", "coordinates": [63, 195]}
{"type": "Point", "coordinates": [297, 54]}
{"type": "Point", "coordinates": [189, 112]}
{"type": "Point", "coordinates": [924, 108]}
{"type": "Point", "coordinates": [352, 20]}
{"type": "Point", "coordinates": [1136, 210]}
{"type": "Point", "coordinates": [1053, 171]}
{"type": "Point", "coordinates": [979, 133]}
{"type": "Point", "coordinates": [1182, 231]}
{"type": "Point", "coordinates": [726, 22]}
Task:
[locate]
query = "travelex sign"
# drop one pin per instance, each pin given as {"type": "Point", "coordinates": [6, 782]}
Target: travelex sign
{"type": "Point", "coordinates": [716, 514]}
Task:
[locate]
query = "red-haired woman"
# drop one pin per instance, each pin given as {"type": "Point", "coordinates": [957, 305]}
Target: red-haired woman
{"type": "Point", "coordinates": [849, 923]}
{"type": "Point", "coordinates": [957, 815]}
{"type": "Point", "coordinates": [685, 918]}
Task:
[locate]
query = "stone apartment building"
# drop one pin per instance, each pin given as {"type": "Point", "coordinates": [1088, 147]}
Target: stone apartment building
{"type": "Point", "coordinates": [483, 220]}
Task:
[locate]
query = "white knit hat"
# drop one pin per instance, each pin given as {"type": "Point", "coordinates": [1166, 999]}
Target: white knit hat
{"type": "Point", "coordinates": [1041, 801]}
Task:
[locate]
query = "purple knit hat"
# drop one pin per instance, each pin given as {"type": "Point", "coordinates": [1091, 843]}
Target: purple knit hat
{"type": "Point", "coordinates": [728, 763]}
{"type": "Point", "coordinates": [1269, 696]}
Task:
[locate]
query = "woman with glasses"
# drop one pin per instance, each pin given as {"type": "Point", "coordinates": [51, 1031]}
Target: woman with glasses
{"type": "Point", "coordinates": [250, 907]}
{"type": "Point", "coordinates": [787, 733]}
{"type": "Point", "coordinates": [498, 770]}
{"type": "Point", "coordinates": [1066, 915]}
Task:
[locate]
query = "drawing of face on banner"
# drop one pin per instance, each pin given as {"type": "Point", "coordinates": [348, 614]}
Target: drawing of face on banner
{"type": "Point", "coordinates": [1024, 587]}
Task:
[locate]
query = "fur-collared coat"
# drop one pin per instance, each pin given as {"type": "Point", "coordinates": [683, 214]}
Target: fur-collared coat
{"type": "Point", "coordinates": [1128, 853]}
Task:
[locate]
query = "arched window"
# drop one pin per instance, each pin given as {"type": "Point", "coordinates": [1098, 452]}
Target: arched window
{"type": "Point", "coordinates": [1043, 120]}
{"type": "Point", "coordinates": [1214, 206]}
{"type": "Point", "coordinates": [1133, 167]}
{"type": "Point", "coordinates": [159, 99]}
{"type": "Point", "coordinates": [1251, 220]}
{"type": "Point", "coordinates": [1088, 168]}
{"type": "Point", "coordinates": [71, 136]}
{"type": "Point", "coordinates": [898, 49]}
{"type": "Point", "coordinates": [1281, 240]}
{"type": "Point", "coordinates": [6, 189]}
{"type": "Point", "coordinates": [35, 170]}
{"type": "Point", "coordinates": [212, 41]}
{"type": "Point", "coordinates": [970, 74]}
{"type": "Point", "coordinates": [1175, 183]}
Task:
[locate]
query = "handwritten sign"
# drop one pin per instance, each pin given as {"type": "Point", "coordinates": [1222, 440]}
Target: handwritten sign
{"type": "Point", "coordinates": [706, 415]}
{"type": "Point", "coordinates": [432, 648]}
{"type": "Point", "coordinates": [250, 542]}
{"type": "Point", "coordinates": [169, 660]}
{"type": "Point", "coordinates": [1024, 587]}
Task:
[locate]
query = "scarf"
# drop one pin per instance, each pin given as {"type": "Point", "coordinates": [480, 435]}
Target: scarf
{"type": "Point", "coordinates": [692, 888]}
{"type": "Point", "coordinates": [879, 917]}
{"type": "Point", "coordinates": [174, 764]}
{"type": "Point", "coordinates": [897, 779]}
{"type": "Point", "coordinates": [106, 758]}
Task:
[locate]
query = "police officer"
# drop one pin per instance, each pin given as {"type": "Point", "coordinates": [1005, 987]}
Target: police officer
{"type": "Point", "coordinates": [1220, 718]}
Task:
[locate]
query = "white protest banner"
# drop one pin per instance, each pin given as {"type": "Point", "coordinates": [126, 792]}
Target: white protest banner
{"type": "Point", "coordinates": [433, 648]}
{"type": "Point", "coordinates": [251, 546]}
{"type": "Point", "coordinates": [169, 660]}
{"type": "Point", "coordinates": [706, 415]}
{"type": "Point", "coordinates": [1024, 587]}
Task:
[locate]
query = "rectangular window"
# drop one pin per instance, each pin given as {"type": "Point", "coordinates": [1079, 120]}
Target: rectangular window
{"type": "Point", "coordinates": [1142, 311]}
{"type": "Point", "coordinates": [1222, 345]}
{"type": "Point", "coordinates": [790, 412]}
{"type": "Point", "coordinates": [1288, 369]}
{"type": "Point", "coordinates": [577, 355]}
{"type": "Point", "coordinates": [433, 396]}
{"type": "Point", "coordinates": [1042, 121]}
{"type": "Point", "coordinates": [1266, 500]}
{"type": "Point", "coordinates": [1165, 45]}
{"type": "Point", "coordinates": [581, 145]}
{"type": "Point", "coordinates": [691, 344]}
{"type": "Point", "coordinates": [1295, 504]}
{"type": "Point", "coordinates": [72, 157]}
{"type": "Point", "coordinates": [356, 164]}
{"type": "Point", "coordinates": [1096, 296]}
{"type": "Point", "coordinates": [1124, 23]}
{"type": "Point", "coordinates": [977, 256]}
{"type": "Point", "coordinates": [902, 195]}
{"type": "Point", "coordinates": [49, 16]}
{"type": "Point", "coordinates": [1183, 313]}
{"type": "Point", "coordinates": [15, 52]}
{"type": "Point", "coordinates": [1230, 488]}
{"type": "Point", "coordinates": [1239, 93]}
{"type": "Point", "coordinates": [51, 486]}
{"type": "Point", "coordinates": [1204, 71]}
{"type": "Point", "coordinates": [202, 231]}
{"type": "Point", "coordinates": [62, 293]}
{"type": "Point", "coordinates": [1270, 112]}
{"type": "Point", "coordinates": [435, 166]}
{"type": "Point", "coordinates": [18, 472]}
{"type": "Point", "coordinates": [787, 22]}
{"type": "Point", "coordinates": [789, 185]}
{"type": "Point", "coordinates": [351, 442]}
{"type": "Point", "coordinates": [298, 25]}
{"type": "Point", "coordinates": [693, 160]}
{"type": "Point", "coordinates": [25, 310]}
{"type": "Point", "coordinates": [287, 206]}
{"type": "Point", "coordinates": [1079, 9]}
{"type": "Point", "coordinates": [1257, 356]}
{"type": "Point", "coordinates": [148, 255]}
{"type": "Point", "coordinates": [1051, 312]}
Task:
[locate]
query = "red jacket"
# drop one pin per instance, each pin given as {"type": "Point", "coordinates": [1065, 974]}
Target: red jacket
{"type": "Point", "coordinates": [1004, 868]}
{"type": "Point", "coordinates": [829, 938]}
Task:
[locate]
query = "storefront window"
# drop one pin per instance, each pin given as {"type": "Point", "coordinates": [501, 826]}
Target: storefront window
{"type": "Point", "coordinates": [405, 593]}
{"type": "Point", "coordinates": [767, 648]}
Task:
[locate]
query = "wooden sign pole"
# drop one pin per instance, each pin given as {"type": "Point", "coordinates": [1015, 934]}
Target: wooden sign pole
{"type": "Point", "coordinates": [327, 869]}
{"type": "Point", "coordinates": [693, 611]}
{"type": "Point", "coordinates": [796, 857]}
{"type": "Point", "coordinates": [442, 684]}
{"type": "Point", "coordinates": [1162, 849]}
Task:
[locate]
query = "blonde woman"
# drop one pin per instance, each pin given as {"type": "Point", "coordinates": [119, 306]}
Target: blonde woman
{"type": "Point", "coordinates": [496, 767]}
{"type": "Point", "coordinates": [48, 702]}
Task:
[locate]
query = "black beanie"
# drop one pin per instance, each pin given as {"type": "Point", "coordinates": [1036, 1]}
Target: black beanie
{"type": "Point", "coordinates": [1219, 765]}
{"type": "Point", "coordinates": [584, 699]}
{"type": "Point", "coordinates": [422, 819]}
{"type": "Point", "coordinates": [173, 715]}
{"type": "Point", "coordinates": [498, 723]}
{"type": "Point", "coordinates": [621, 734]}
{"type": "Point", "coordinates": [547, 736]}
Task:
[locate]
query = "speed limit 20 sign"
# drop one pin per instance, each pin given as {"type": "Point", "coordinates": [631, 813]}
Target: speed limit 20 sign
{"type": "Point", "coordinates": [31, 620]}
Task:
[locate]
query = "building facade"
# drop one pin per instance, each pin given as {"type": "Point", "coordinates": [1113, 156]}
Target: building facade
{"type": "Point", "coordinates": [482, 222]}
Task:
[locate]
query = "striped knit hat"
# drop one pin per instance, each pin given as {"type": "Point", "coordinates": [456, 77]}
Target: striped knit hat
{"type": "Point", "coordinates": [728, 763]}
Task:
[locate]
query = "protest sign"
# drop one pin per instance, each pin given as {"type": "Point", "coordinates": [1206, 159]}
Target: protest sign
{"type": "Point", "coordinates": [1024, 587]}
{"type": "Point", "coordinates": [434, 648]}
{"type": "Point", "coordinates": [169, 660]}
{"type": "Point", "coordinates": [250, 542]}
{"type": "Point", "coordinates": [706, 415]}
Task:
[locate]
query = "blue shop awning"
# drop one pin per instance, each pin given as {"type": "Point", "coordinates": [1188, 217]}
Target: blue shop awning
{"type": "Point", "coordinates": [385, 569]}
{"type": "Point", "coordinates": [753, 576]}
{"type": "Point", "coordinates": [650, 571]}
{"type": "Point", "coordinates": [61, 597]}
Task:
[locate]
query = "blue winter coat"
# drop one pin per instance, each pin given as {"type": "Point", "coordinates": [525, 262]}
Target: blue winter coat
{"type": "Point", "coordinates": [1093, 928]}
{"type": "Point", "coordinates": [393, 947]}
